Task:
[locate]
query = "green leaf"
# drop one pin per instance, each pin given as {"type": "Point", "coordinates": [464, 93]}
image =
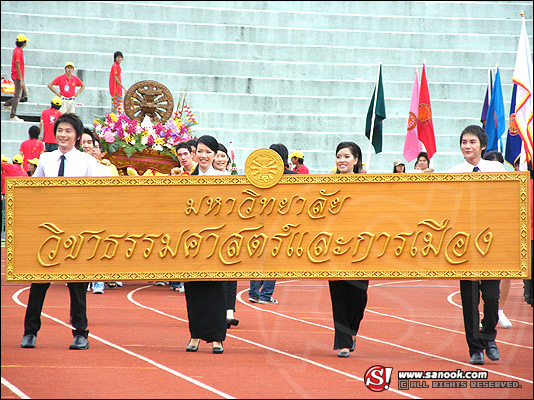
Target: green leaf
{"type": "Point", "coordinates": [113, 147]}
{"type": "Point", "coordinates": [129, 150]}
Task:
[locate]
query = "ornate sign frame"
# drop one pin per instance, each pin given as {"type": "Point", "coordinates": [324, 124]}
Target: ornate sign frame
{"type": "Point", "coordinates": [266, 225]}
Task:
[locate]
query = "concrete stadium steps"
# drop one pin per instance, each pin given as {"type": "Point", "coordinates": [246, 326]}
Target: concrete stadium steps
{"type": "Point", "coordinates": [287, 53]}
{"type": "Point", "coordinates": [283, 104]}
{"type": "Point", "coordinates": [261, 78]}
{"type": "Point", "coordinates": [482, 9]}
{"type": "Point", "coordinates": [266, 38]}
{"type": "Point", "coordinates": [425, 16]}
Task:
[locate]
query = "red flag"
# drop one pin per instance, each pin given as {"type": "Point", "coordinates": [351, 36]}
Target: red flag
{"type": "Point", "coordinates": [425, 128]}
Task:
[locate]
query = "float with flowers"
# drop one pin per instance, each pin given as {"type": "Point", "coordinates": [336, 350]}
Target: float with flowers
{"type": "Point", "coordinates": [145, 135]}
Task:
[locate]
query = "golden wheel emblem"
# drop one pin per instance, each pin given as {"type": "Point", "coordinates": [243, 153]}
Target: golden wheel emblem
{"type": "Point", "coordinates": [148, 98]}
{"type": "Point", "coordinates": [264, 168]}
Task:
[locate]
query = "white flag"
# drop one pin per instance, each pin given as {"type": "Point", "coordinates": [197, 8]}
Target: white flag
{"type": "Point", "coordinates": [523, 106]}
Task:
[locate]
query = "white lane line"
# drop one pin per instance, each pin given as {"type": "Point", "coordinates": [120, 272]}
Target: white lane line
{"type": "Point", "coordinates": [380, 341]}
{"type": "Point", "coordinates": [131, 353]}
{"type": "Point", "coordinates": [14, 389]}
{"type": "Point", "coordinates": [130, 297]}
{"type": "Point", "coordinates": [450, 300]}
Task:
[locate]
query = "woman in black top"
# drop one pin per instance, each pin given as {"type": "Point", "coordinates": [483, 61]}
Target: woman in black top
{"type": "Point", "coordinates": [349, 298]}
{"type": "Point", "coordinates": [206, 300]}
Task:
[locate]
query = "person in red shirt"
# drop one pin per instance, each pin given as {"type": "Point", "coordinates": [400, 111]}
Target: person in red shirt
{"type": "Point", "coordinates": [17, 74]}
{"type": "Point", "coordinates": [8, 170]}
{"type": "Point", "coordinates": [31, 148]}
{"type": "Point", "coordinates": [67, 88]}
{"type": "Point", "coordinates": [46, 125]}
{"type": "Point", "coordinates": [115, 83]}
{"type": "Point", "coordinates": [297, 159]}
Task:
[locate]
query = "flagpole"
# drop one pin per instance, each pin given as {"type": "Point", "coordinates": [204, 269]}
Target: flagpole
{"type": "Point", "coordinates": [368, 163]}
{"type": "Point", "coordinates": [431, 162]}
{"type": "Point", "coordinates": [489, 84]}
{"type": "Point", "coordinates": [499, 147]}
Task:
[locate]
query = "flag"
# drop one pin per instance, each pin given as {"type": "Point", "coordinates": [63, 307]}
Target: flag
{"type": "Point", "coordinates": [513, 140]}
{"type": "Point", "coordinates": [495, 122]}
{"type": "Point", "coordinates": [379, 115]}
{"type": "Point", "coordinates": [425, 127]}
{"type": "Point", "coordinates": [486, 100]}
{"type": "Point", "coordinates": [412, 145]}
{"type": "Point", "coordinates": [523, 108]}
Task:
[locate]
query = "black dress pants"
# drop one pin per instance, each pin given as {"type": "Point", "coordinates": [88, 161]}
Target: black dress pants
{"type": "Point", "coordinates": [349, 299]}
{"type": "Point", "coordinates": [78, 307]}
{"type": "Point", "coordinates": [477, 338]}
{"type": "Point", "coordinates": [231, 293]}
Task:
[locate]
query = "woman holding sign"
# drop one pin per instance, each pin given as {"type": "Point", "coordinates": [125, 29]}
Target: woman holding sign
{"type": "Point", "coordinates": [206, 300]}
{"type": "Point", "coordinates": [349, 298]}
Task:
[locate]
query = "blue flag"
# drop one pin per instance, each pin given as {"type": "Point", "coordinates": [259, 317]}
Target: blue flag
{"type": "Point", "coordinates": [495, 122]}
{"type": "Point", "coordinates": [513, 140]}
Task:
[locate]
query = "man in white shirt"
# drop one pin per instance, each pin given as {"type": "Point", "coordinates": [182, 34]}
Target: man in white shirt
{"type": "Point", "coordinates": [473, 143]}
{"type": "Point", "coordinates": [65, 161]}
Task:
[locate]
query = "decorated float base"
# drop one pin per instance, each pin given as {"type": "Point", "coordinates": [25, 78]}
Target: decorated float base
{"type": "Point", "coordinates": [142, 161]}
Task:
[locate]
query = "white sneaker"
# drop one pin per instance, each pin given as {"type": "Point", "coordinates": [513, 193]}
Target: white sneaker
{"type": "Point", "coordinates": [159, 283]}
{"type": "Point", "coordinates": [119, 283]}
{"type": "Point", "coordinates": [98, 288]}
{"type": "Point", "coordinates": [270, 301]}
{"type": "Point", "coordinates": [15, 118]}
{"type": "Point", "coordinates": [503, 321]}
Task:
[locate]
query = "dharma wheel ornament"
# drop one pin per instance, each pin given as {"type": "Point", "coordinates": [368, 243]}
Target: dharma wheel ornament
{"type": "Point", "coordinates": [149, 98]}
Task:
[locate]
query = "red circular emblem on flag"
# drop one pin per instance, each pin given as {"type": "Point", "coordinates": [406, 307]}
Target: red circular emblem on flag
{"type": "Point", "coordinates": [512, 125]}
{"type": "Point", "coordinates": [412, 121]}
{"type": "Point", "coordinates": [425, 114]}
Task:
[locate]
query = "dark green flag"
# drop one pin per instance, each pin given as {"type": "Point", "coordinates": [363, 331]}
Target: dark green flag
{"type": "Point", "coordinates": [380, 115]}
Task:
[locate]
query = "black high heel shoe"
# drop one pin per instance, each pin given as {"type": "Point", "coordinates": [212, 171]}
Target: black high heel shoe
{"type": "Point", "coordinates": [231, 321]}
{"type": "Point", "coordinates": [343, 353]}
{"type": "Point", "coordinates": [217, 349]}
{"type": "Point", "coordinates": [191, 347]}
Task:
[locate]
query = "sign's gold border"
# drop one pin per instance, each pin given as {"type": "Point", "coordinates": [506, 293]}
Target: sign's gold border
{"type": "Point", "coordinates": [522, 178]}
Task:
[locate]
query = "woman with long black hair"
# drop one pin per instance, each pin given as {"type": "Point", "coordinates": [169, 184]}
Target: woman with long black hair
{"type": "Point", "coordinates": [206, 300]}
{"type": "Point", "coordinates": [349, 297]}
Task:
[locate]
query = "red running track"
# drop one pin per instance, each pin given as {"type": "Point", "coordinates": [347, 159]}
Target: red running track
{"type": "Point", "coordinates": [139, 333]}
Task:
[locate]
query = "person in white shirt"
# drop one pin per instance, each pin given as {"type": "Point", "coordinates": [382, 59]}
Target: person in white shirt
{"type": "Point", "coordinates": [65, 161]}
{"type": "Point", "coordinates": [222, 162]}
{"type": "Point", "coordinates": [473, 143]}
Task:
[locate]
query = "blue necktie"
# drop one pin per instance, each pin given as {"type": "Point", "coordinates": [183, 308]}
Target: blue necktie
{"type": "Point", "coordinates": [476, 169]}
{"type": "Point", "coordinates": [61, 166]}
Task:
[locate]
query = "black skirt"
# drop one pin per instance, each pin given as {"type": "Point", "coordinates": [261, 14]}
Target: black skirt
{"type": "Point", "coordinates": [349, 299]}
{"type": "Point", "coordinates": [206, 310]}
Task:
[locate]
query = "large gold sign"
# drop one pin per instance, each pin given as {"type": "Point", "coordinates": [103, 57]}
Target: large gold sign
{"type": "Point", "coordinates": [385, 226]}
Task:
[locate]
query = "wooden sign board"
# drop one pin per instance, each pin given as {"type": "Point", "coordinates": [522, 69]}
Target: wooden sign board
{"type": "Point", "coordinates": [266, 225]}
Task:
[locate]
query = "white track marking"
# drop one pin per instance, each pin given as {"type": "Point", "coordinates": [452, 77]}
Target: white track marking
{"type": "Point", "coordinates": [131, 353]}
{"type": "Point", "coordinates": [381, 341]}
{"type": "Point", "coordinates": [130, 297]}
{"type": "Point", "coordinates": [14, 389]}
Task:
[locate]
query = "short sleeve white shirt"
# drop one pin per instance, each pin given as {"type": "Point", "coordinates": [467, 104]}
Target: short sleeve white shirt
{"type": "Point", "coordinates": [483, 165]}
{"type": "Point", "coordinates": [77, 164]}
